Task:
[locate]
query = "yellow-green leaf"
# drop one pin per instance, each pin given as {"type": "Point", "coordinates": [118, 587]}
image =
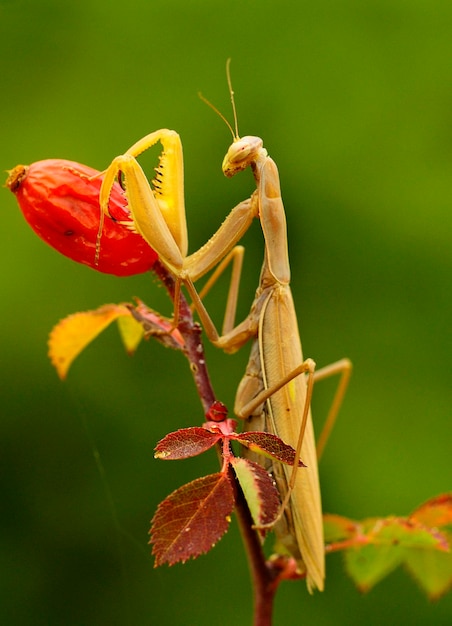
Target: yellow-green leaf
{"type": "Point", "coordinates": [72, 334]}
{"type": "Point", "coordinates": [131, 332]}
{"type": "Point", "coordinates": [432, 569]}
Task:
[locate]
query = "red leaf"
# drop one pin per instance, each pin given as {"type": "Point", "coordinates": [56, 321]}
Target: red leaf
{"type": "Point", "coordinates": [435, 512]}
{"type": "Point", "coordinates": [191, 520]}
{"type": "Point", "coordinates": [60, 201]}
{"type": "Point", "coordinates": [269, 445]}
{"type": "Point", "coordinates": [185, 443]}
{"type": "Point", "coordinates": [157, 326]}
{"type": "Point", "coordinates": [259, 489]}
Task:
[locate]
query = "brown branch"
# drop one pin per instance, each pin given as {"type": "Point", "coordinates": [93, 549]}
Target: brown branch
{"type": "Point", "coordinates": [264, 578]}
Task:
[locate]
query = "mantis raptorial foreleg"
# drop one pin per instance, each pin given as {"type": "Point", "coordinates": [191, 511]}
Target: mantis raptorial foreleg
{"type": "Point", "coordinates": [344, 369]}
{"type": "Point", "coordinates": [157, 212]}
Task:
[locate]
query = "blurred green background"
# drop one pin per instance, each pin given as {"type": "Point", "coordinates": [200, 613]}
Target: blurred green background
{"type": "Point", "coordinates": [354, 102]}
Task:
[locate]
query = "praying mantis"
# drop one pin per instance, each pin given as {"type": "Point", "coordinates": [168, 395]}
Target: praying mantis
{"type": "Point", "coordinates": [275, 392]}
{"type": "Point", "coordinates": [273, 395]}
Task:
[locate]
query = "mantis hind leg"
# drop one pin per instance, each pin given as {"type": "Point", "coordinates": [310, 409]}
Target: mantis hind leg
{"type": "Point", "coordinates": [344, 368]}
{"type": "Point", "coordinates": [235, 257]}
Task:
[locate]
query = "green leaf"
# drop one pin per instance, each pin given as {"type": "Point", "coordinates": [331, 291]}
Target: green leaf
{"type": "Point", "coordinates": [432, 570]}
{"type": "Point", "coordinates": [131, 332]}
{"type": "Point", "coordinates": [259, 489]}
{"type": "Point", "coordinates": [375, 547]}
{"type": "Point", "coordinates": [368, 564]}
{"type": "Point", "coordinates": [339, 529]}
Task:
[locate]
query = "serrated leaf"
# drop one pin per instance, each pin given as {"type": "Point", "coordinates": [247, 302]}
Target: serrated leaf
{"type": "Point", "coordinates": [185, 443]}
{"type": "Point", "coordinates": [436, 512]}
{"type": "Point", "coordinates": [407, 534]}
{"type": "Point", "coordinates": [339, 529]}
{"type": "Point", "coordinates": [191, 520]}
{"type": "Point", "coordinates": [259, 490]}
{"type": "Point", "coordinates": [382, 552]}
{"type": "Point", "coordinates": [270, 446]}
{"type": "Point", "coordinates": [376, 547]}
{"type": "Point", "coordinates": [421, 542]}
{"type": "Point", "coordinates": [131, 332]}
{"type": "Point", "coordinates": [432, 570]}
{"type": "Point", "coordinates": [75, 332]}
{"type": "Point", "coordinates": [368, 564]}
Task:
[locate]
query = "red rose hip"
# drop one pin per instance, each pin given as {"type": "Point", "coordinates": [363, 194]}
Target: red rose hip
{"type": "Point", "coordinates": [60, 201]}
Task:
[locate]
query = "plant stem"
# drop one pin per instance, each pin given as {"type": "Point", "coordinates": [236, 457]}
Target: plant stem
{"type": "Point", "coordinates": [263, 577]}
{"type": "Point", "coordinates": [191, 333]}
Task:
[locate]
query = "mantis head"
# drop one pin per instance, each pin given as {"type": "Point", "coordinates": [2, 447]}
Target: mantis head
{"type": "Point", "coordinates": [245, 151]}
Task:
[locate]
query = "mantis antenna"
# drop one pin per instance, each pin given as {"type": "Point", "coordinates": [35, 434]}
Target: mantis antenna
{"type": "Point", "coordinates": [235, 135]}
{"type": "Point", "coordinates": [231, 93]}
